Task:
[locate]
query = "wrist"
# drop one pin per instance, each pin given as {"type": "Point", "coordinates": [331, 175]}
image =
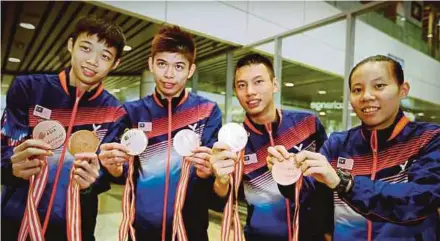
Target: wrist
{"type": "Point", "coordinates": [345, 184]}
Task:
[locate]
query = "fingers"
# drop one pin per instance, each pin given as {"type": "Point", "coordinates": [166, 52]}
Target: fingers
{"type": "Point", "coordinates": [114, 146]}
{"type": "Point", "coordinates": [202, 155]}
{"type": "Point", "coordinates": [32, 143]}
{"type": "Point", "coordinates": [220, 146]}
{"type": "Point", "coordinates": [113, 156]}
{"type": "Point", "coordinates": [315, 170]}
{"type": "Point", "coordinates": [26, 174]}
{"type": "Point", "coordinates": [28, 152]}
{"type": "Point", "coordinates": [203, 149]}
{"type": "Point", "coordinates": [311, 163]}
{"type": "Point", "coordinates": [86, 170]}
{"type": "Point", "coordinates": [26, 169]}
{"type": "Point", "coordinates": [308, 155]}
{"type": "Point", "coordinates": [283, 151]}
{"type": "Point", "coordinates": [278, 152]}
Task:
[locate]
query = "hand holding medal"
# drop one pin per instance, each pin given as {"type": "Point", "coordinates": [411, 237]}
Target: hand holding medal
{"type": "Point", "coordinates": [283, 166]}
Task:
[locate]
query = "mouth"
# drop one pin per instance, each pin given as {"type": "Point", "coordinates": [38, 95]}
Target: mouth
{"type": "Point", "coordinates": [168, 85]}
{"type": "Point", "coordinates": [88, 72]}
{"type": "Point", "coordinates": [253, 103]}
{"type": "Point", "coordinates": [370, 110]}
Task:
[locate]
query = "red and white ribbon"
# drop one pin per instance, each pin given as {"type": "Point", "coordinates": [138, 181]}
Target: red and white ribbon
{"type": "Point", "coordinates": [31, 220]}
{"type": "Point", "coordinates": [231, 210]}
{"type": "Point", "coordinates": [128, 206]}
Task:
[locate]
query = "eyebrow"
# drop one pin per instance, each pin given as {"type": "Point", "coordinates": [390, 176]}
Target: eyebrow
{"type": "Point", "coordinates": [180, 62]}
{"type": "Point", "coordinates": [257, 77]}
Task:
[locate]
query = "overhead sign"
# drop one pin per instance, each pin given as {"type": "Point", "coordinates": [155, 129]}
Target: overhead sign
{"type": "Point", "coordinates": [327, 105]}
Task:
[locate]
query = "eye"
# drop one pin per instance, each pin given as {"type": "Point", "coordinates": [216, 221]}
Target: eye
{"type": "Point", "coordinates": [380, 86]}
{"type": "Point", "coordinates": [179, 67]}
{"type": "Point", "coordinates": [259, 81]}
{"type": "Point", "coordinates": [356, 90]}
{"type": "Point", "coordinates": [161, 64]}
{"type": "Point", "coordinates": [84, 48]}
{"type": "Point", "coordinates": [106, 57]}
{"type": "Point", "coordinates": [241, 85]}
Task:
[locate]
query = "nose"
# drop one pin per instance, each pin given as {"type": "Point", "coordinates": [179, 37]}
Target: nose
{"type": "Point", "coordinates": [368, 95]}
{"type": "Point", "coordinates": [169, 72]}
{"type": "Point", "coordinates": [93, 59]}
{"type": "Point", "coordinates": [250, 90]}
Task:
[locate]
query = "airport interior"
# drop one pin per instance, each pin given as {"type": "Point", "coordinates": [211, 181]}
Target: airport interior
{"type": "Point", "coordinates": [313, 44]}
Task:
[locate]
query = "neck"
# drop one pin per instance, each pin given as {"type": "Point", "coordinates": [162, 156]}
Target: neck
{"type": "Point", "coordinates": [268, 115]}
{"type": "Point", "coordinates": [79, 84]}
{"type": "Point", "coordinates": [163, 96]}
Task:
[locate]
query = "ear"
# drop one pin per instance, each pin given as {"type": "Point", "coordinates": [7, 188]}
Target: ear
{"type": "Point", "coordinates": [276, 85]}
{"type": "Point", "coordinates": [70, 45]}
{"type": "Point", "coordinates": [150, 64]}
{"type": "Point", "coordinates": [404, 90]}
{"type": "Point", "coordinates": [192, 69]}
{"type": "Point", "coordinates": [116, 64]}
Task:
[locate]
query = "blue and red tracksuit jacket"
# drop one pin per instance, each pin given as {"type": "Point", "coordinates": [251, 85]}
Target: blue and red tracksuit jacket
{"type": "Point", "coordinates": [189, 111]}
{"type": "Point", "coordinates": [396, 181]}
{"type": "Point", "coordinates": [266, 206]}
{"type": "Point", "coordinates": [97, 110]}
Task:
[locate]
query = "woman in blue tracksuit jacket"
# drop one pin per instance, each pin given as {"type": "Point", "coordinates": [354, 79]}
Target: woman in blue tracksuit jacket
{"type": "Point", "coordinates": [386, 172]}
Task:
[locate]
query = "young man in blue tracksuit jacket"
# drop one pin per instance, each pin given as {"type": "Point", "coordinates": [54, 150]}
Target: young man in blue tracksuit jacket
{"type": "Point", "coordinates": [291, 131]}
{"type": "Point", "coordinates": [96, 47]}
{"type": "Point", "coordinates": [169, 108]}
{"type": "Point", "coordinates": [386, 172]}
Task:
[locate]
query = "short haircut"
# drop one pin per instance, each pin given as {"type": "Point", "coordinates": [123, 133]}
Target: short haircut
{"type": "Point", "coordinates": [107, 31]}
{"type": "Point", "coordinates": [396, 67]}
{"type": "Point", "coordinates": [173, 39]}
{"type": "Point", "coordinates": [256, 59]}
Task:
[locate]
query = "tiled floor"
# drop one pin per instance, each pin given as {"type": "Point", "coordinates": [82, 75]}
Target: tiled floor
{"type": "Point", "coordinates": [110, 216]}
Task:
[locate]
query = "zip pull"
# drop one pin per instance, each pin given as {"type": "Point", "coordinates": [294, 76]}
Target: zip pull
{"type": "Point", "coordinates": [167, 174]}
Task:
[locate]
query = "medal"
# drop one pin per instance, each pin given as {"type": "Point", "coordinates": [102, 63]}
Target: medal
{"type": "Point", "coordinates": [135, 140]}
{"type": "Point", "coordinates": [83, 141]}
{"type": "Point", "coordinates": [285, 173]}
{"type": "Point", "coordinates": [51, 132]}
{"type": "Point", "coordinates": [234, 135]}
{"type": "Point", "coordinates": [185, 141]}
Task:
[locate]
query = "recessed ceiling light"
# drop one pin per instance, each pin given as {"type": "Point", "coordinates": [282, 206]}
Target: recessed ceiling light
{"type": "Point", "coordinates": [27, 25]}
{"type": "Point", "coordinates": [352, 114]}
{"type": "Point", "coordinates": [322, 92]}
{"type": "Point", "coordinates": [322, 113]}
{"type": "Point", "coordinates": [288, 84]}
{"type": "Point", "coordinates": [127, 48]}
{"type": "Point", "coordinates": [421, 114]}
{"type": "Point", "coordinates": [430, 35]}
{"type": "Point", "coordinates": [223, 93]}
{"type": "Point", "coordinates": [116, 90]}
{"type": "Point", "coordinates": [402, 19]}
{"type": "Point", "coordinates": [14, 60]}
{"type": "Point", "coordinates": [433, 117]}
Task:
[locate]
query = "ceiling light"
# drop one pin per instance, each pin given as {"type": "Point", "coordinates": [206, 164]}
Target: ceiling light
{"type": "Point", "coordinates": [222, 92]}
{"type": "Point", "coordinates": [288, 84]}
{"type": "Point", "coordinates": [27, 25]}
{"type": "Point", "coordinates": [127, 48]}
{"type": "Point", "coordinates": [352, 114]}
{"type": "Point", "coordinates": [429, 35]}
{"type": "Point", "coordinates": [433, 117]}
{"type": "Point", "coordinates": [402, 19]}
{"type": "Point", "coordinates": [322, 113]}
{"type": "Point", "coordinates": [116, 90]}
{"type": "Point", "coordinates": [322, 92]}
{"type": "Point", "coordinates": [14, 60]}
{"type": "Point", "coordinates": [421, 114]}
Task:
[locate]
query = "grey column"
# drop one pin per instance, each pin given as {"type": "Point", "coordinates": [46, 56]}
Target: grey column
{"type": "Point", "coordinates": [147, 84]}
{"type": "Point", "coordinates": [278, 67]}
{"type": "Point", "coordinates": [229, 84]}
{"type": "Point", "coordinates": [349, 56]}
